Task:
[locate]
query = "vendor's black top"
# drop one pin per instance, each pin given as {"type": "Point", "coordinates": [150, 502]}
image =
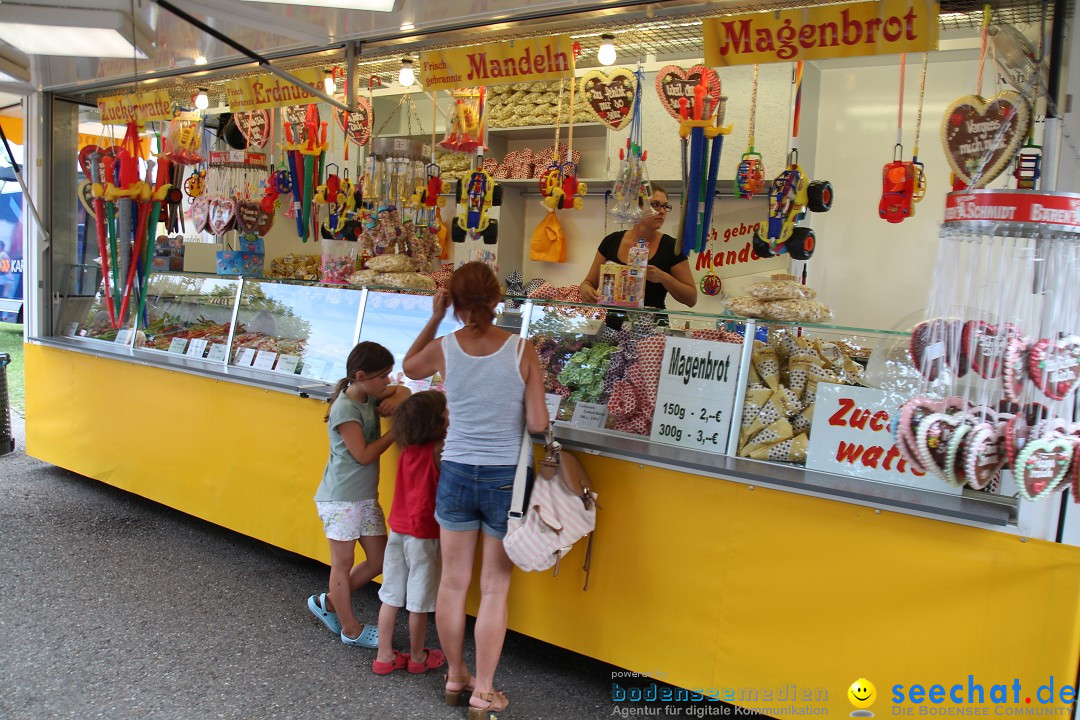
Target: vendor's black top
{"type": "Point", "coordinates": [665, 259]}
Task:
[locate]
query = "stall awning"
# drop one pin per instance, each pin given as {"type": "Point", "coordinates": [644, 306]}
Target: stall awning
{"type": "Point", "coordinates": [13, 128]}
{"type": "Point", "coordinates": [104, 142]}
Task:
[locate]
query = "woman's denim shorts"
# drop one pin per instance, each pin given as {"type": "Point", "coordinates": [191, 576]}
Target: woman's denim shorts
{"type": "Point", "coordinates": [475, 497]}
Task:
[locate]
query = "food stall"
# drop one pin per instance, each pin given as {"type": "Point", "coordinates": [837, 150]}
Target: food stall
{"type": "Point", "coordinates": [779, 517]}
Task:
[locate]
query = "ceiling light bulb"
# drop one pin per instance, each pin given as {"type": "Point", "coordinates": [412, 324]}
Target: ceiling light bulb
{"type": "Point", "coordinates": [606, 53]}
{"type": "Point", "coordinates": [201, 100]}
{"type": "Point", "coordinates": [328, 82]}
{"type": "Point", "coordinates": [406, 76]}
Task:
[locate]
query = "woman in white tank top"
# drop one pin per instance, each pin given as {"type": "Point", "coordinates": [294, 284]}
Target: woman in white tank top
{"type": "Point", "coordinates": [494, 386]}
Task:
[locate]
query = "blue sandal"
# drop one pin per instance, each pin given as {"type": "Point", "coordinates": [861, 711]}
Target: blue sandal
{"type": "Point", "coordinates": [368, 638]}
{"type": "Point", "coordinates": [317, 606]}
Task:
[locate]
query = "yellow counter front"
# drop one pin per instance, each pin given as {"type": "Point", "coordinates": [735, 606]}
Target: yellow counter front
{"type": "Point", "coordinates": [770, 599]}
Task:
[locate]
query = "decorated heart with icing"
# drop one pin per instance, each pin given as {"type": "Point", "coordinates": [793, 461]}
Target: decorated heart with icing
{"type": "Point", "coordinates": [673, 83]}
{"type": "Point", "coordinates": [933, 437]}
{"type": "Point", "coordinates": [84, 160]}
{"type": "Point", "coordinates": [1076, 476]}
{"type": "Point", "coordinates": [247, 216]}
{"type": "Point", "coordinates": [254, 126]}
{"type": "Point", "coordinates": [200, 213]}
{"type": "Point", "coordinates": [982, 136]}
{"type": "Point", "coordinates": [935, 344]}
{"type": "Point", "coordinates": [1014, 370]}
{"type": "Point", "coordinates": [359, 129]}
{"type": "Point", "coordinates": [983, 455]}
{"type": "Point", "coordinates": [984, 344]}
{"type": "Point", "coordinates": [86, 197]}
{"type": "Point", "coordinates": [1055, 366]}
{"type": "Point", "coordinates": [1042, 465]}
{"type": "Point", "coordinates": [222, 215]}
{"type": "Point", "coordinates": [954, 465]}
{"type": "Point", "coordinates": [906, 424]}
{"type": "Point", "coordinates": [1020, 428]}
{"type": "Point", "coordinates": [265, 221]}
{"type": "Point", "coordinates": [610, 96]}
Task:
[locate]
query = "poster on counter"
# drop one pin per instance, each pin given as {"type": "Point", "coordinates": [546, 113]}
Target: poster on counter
{"type": "Point", "coordinates": [852, 435]}
{"type": "Point", "coordinates": [696, 394]}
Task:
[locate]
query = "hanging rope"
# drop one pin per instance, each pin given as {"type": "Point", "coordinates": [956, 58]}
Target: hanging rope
{"type": "Point", "coordinates": [753, 108]}
{"type": "Point", "coordinates": [900, 110]}
{"type": "Point", "coordinates": [982, 53]}
{"type": "Point", "coordinates": [918, 114]}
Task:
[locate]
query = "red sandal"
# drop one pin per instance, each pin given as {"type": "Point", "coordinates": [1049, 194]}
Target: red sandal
{"type": "Point", "coordinates": [385, 668]}
{"type": "Point", "coordinates": [435, 659]}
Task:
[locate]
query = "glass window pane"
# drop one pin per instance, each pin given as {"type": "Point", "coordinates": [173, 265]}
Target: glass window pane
{"type": "Point", "coordinates": [394, 320]}
{"type": "Point", "coordinates": [188, 315]}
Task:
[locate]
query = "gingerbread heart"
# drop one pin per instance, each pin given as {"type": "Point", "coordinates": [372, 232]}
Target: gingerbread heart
{"type": "Point", "coordinates": [982, 136]}
{"type": "Point", "coordinates": [983, 455]}
{"type": "Point", "coordinates": [1076, 476]}
{"type": "Point", "coordinates": [984, 344]}
{"type": "Point", "coordinates": [1020, 429]}
{"type": "Point", "coordinates": [954, 465]}
{"type": "Point", "coordinates": [84, 161]}
{"type": "Point", "coordinates": [200, 213]}
{"type": "Point", "coordinates": [247, 216]}
{"type": "Point", "coordinates": [1014, 370]}
{"type": "Point", "coordinates": [254, 126]}
{"type": "Point", "coordinates": [86, 197]}
{"type": "Point", "coordinates": [933, 437]}
{"type": "Point", "coordinates": [674, 84]}
{"type": "Point", "coordinates": [1042, 465]}
{"type": "Point", "coordinates": [610, 96]}
{"type": "Point", "coordinates": [222, 215]}
{"type": "Point", "coordinates": [359, 130]}
{"type": "Point", "coordinates": [936, 344]}
{"type": "Point", "coordinates": [265, 222]}
{"type": "Point", "coordinates": [907, 421]}
{"type": "Point", "coordinates": [1055, 366]}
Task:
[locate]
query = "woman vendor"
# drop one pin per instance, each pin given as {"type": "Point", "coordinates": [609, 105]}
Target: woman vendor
{"type": "Point", "coordinates": [668, 271]}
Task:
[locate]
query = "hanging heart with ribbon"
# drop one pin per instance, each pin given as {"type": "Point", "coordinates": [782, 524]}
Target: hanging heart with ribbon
{"type": "Point", "coordinates": [1054, 366]}
{"type": "Point", "coordinates": [1042, 465]}
{"type": "Point", "coordinates": [254, 126]}
{"type": "Point", "coordinates": [200, 212]}
{"type": "Point", "coordinates": [222, 214]}
{"type": "Point", "coordinates": [610, 96]}
{"type": "Point", "coordinates": [981, 137]}
{"type": "Point", "coordinates": [673, 84]}
{"type": "Point", "coordinates": [359, 130]}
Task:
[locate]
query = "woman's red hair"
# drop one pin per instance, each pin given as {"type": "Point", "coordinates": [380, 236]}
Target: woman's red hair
{"type": "Point", "coordinates": [474, 291]}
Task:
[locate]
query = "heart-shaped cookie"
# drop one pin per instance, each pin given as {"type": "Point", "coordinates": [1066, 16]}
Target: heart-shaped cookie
{"type": "Point", "coordinates": [86, 197]}
{"type": "Point", "coordinates": [254, 126]}
{"type": "Point", "coordinates": [983, 455]}
{"type": "Point", "coordinates": [359, 130]}
{"type": "Point", "coordinates": [1020, 429]}
{"type": "Point", "coordinates": [1075, 473]}
{"type": "Point", "coordinates": [933, 437]}
{"type": "Point", "coordinates": [200, 213]}
{"type": "Point", "coordinates": [954, 460]}
{"type": "Point", "coordinates": [935, 344]}
{"type": "Point", "coordinates": [1042, 465]}
{"type": "Point", "coordinates": [982, 136]}
{"type": "Point", "coordinates": [247, 216]}
{"type": "Point", "coordinates": [907, 421]}
{"type": "Point", "coordinates": [1055, 366]}
{"type": "Point", "coordinates": [984, 344]}
{"type": "Point", "coordinates": [84, 161]}
{"type": "Point", "coordinates": [265, 222]}
{"type": "Point", "coordinates": [610, 96]}
{"type": "Point", "coordinates": [222, 215]}
{"type": "Point", "coordinates": [673, 84]}
{"type": "Point", "coordinates": [1015, 365]}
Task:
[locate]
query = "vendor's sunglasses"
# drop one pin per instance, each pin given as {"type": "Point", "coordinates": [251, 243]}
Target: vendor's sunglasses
{"type": "Point", "coordinates": [657, 205]}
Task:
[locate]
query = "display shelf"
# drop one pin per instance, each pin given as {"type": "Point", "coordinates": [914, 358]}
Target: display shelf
{"type": "Point", "coordinates": [547, 132]}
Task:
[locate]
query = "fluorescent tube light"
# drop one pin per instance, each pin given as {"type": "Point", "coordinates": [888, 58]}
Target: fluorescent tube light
{"type": "Point", "coordinates": [372, 5]}
{"type": "Point", "coordinates": [84, 33]}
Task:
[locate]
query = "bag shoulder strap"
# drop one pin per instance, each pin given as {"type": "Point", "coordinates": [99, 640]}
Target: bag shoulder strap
{"type": "Point", "coordinates": [517, 500]}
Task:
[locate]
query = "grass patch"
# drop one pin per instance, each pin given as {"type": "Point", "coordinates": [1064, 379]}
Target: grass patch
{"type": "Point", "coordinates": [11, 342]}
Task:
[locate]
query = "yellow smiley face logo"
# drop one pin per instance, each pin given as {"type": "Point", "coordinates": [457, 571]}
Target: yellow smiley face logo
{"type": "Point", "coordinates": [862, 693]}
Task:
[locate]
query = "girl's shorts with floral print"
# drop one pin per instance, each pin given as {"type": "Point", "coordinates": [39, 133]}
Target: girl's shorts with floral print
{"type": "Point", "coordinates": [351, 520]}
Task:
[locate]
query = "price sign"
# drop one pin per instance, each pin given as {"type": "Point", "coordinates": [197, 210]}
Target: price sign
{"type": "Point", "coordinates": [217, 352]}
{"type": "Point", "coordinates": [71, 329]}
{"type": "Point", "coordinates": [196, 348]}
{"type": "Point", "coordinates": [178, 345]}
{"type": "Point", "coordinates": [592, 415]}
{"type": "Point", "coordinates": [553, 401]}
{"type": "Point", "coordinates": [124, 337]}
{"type": "Point", "coordinates": [287, 364]}
{"type": "Point", "coordinates": [265, 359]}
{"type": "Point", "coordinates": [245, 357]}
{"type": "Point", "coordinates": [696, 394]}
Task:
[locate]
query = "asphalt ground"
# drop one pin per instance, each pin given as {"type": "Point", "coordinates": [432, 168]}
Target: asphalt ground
{"type": "Point", "coordinates": [113, 606]}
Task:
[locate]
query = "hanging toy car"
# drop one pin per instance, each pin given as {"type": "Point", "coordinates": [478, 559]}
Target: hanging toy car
{"type": "Point", "coordinates": [475, 198]}
{"type": "Point", "coordinates": [790, 196]}
{"type": "Point", "coordinates": [902, 185]}
{"type": "Point", "coordinates": [750, 175]}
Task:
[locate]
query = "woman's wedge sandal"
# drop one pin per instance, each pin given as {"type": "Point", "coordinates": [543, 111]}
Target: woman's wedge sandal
{"type": "Point", "coordinates": [454, 698]}
{"type": "Point", "coordinates": [496, 703]}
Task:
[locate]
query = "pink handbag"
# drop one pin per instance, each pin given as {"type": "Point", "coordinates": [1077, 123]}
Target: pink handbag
{"type": "Point", "coordinates": [561, 510]}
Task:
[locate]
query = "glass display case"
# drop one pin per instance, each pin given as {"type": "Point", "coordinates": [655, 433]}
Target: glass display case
{"type": "Point", "coordinates": [678, 388]}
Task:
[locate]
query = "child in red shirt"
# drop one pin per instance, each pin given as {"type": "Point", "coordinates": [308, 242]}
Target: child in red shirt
{"type": "Point", "coordinates": [411, 565]}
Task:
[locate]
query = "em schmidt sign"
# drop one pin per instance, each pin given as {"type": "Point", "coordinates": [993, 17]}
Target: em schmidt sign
{"type": "Point", "coordinates": [866, 28]}
{"type": "Point", "coordinates": [525, 60]}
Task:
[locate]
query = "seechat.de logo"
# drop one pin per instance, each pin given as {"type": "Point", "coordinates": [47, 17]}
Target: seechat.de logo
{"type": "Point", "coordinates": [862, 695]}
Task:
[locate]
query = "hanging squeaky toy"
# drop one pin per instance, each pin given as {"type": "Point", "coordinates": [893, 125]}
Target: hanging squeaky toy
{"type": "Point", "coordinates": [903, 183]}
{"type": "Point", "coordinates": [750, 175]}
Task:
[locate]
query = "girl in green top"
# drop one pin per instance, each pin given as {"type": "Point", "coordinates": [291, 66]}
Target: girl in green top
{"type": "Point", "coordinates": [348, 496]}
